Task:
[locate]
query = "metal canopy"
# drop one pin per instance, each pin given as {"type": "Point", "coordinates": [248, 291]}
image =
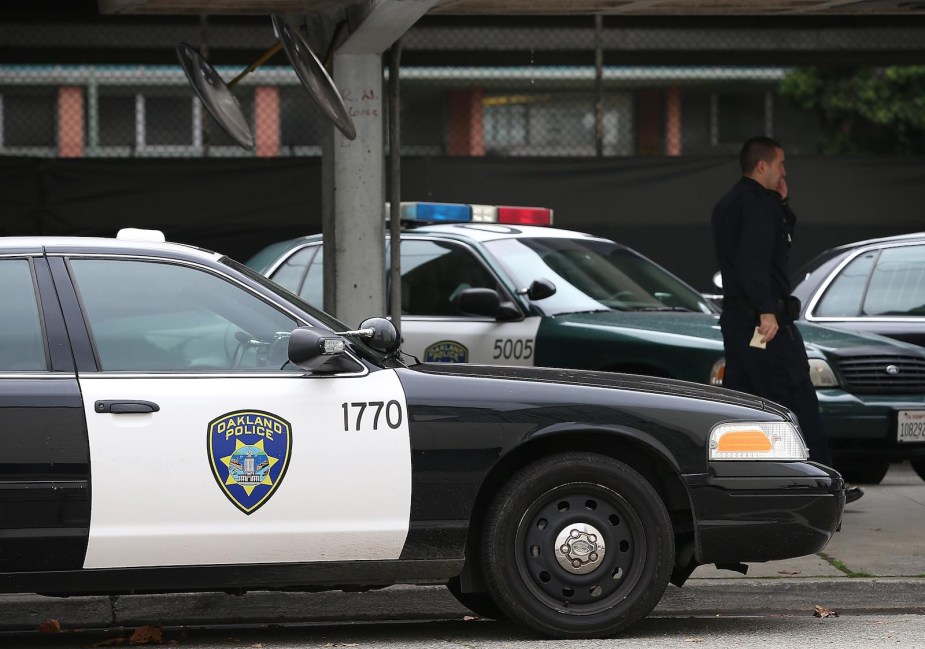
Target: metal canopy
{"type": "Point", "coordinates": [535, 7]}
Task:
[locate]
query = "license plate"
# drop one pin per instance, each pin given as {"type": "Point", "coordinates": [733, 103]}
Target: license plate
{"type": "Point", "coordinates": [910, 426]}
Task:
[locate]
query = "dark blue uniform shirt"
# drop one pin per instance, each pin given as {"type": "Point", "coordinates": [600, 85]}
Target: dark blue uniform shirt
{"type": "Point", "coordinates": [752, 231]}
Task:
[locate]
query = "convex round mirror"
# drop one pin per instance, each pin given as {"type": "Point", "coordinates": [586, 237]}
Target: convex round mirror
{"type": "Point", "coordinates": [215, 95]}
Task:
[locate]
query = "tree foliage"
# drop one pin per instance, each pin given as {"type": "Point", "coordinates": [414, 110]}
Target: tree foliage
{"type": "Point", "coordinates": [863, 109]}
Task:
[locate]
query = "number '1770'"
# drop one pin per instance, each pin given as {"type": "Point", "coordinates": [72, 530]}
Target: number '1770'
{"type": "Point", "coordinates": [366, 412]}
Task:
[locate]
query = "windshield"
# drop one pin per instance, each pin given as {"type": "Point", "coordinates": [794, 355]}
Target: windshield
{"type": "Point", "coordinates": [593, 275]}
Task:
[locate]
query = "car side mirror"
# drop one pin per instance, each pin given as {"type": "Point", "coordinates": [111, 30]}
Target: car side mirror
{"type": "Point", "coordinates": [318, 350]}
{"type": "Point", "coordinates": [540, 289]}
{"type": "Point", "coordinates": [485, 302]}
{"type": "Point", "coordinates": [383, 335]}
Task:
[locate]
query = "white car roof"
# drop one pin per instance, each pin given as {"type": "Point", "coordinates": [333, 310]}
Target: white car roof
{"type": "Point", "coordinates": [103, 244]}
{"type": "Point", "coordinates": [490, 231]}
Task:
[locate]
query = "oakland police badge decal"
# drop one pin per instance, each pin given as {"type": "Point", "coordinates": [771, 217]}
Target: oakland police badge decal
{"type": "Point", "coordinates": [249, 453]}
{"type": "Point", "coordinates": [446, 351]}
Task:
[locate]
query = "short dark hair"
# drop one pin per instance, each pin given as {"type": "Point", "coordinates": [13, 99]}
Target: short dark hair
{"type": "Point", "coordinates": [756, 149]}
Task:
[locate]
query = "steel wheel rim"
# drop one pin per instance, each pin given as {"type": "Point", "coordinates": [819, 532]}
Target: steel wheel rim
{"type": "Point", "coordinates": [620, 565]}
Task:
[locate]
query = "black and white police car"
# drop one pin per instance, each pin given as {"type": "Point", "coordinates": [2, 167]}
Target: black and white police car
{"type": "Point", "coordinates": [170, 421]}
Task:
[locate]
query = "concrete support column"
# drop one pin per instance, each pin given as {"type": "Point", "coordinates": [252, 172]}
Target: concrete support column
{"type": "Point", "coordinates": [70, 122]}
{"type": "Point", "coordinates": [354, 259]}
{"type": "Point", "coordinates": [353, 172]}
{"type": "Point", "coordinates": [266, 121]}
{"type": "Point", "coordinates": [673, 122]}
{"type": "Point", "coordinates": [467, 136]}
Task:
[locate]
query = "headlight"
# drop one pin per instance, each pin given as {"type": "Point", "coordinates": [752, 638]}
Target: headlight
{"type": "Point", "coordinates": [821, 374]}
{"type": "Point", "coordinates": [778, 441]}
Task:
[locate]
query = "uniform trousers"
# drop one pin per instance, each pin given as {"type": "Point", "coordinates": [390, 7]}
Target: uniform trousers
{"type": "Point", "coordinates": [779, 373]}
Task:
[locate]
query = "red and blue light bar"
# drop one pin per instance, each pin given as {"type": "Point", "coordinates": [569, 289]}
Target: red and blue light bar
{"type": "Point", "coordinates": [426, 212]}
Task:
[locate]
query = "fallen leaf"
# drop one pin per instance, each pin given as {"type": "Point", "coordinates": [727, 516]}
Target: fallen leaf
{"type": "Point", "coordinates": [112, 642]}
{"type": "Point", "coordinates": [147, 635]}
{"type": "Point", "coordinates": [693, 639]}
{"type": "Point", "coordinates": [469, 618]}
{"type": "Point", "coordinates": [788, 572]}
{"type": "Point", "coordinates": [50, 626]}
{"type": "Point", "coordinates": [822, 611]}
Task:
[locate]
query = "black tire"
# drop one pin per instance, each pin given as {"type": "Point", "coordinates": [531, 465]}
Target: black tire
{"type": "Point", "coordinates": [869, 472]}
{"type": "Point", "coordinates": [919, 467]}
{"type": "Point", "coordinates": [479, 603]}
{"type": "Point", "coordinates": [574, 502]}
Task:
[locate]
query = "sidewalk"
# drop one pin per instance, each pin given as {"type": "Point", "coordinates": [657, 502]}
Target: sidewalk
{"type": "Point", "coordinates": [875, 564]}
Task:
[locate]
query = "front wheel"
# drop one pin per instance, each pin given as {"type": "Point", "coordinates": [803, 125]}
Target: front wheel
{"type": "Point", "coordinates": [919, 466]}
{"type": "Point", "coordinates": [577, 545]}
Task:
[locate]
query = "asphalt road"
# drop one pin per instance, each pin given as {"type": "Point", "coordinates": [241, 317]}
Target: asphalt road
{"type": "Point", "coordinates": [872, 574]}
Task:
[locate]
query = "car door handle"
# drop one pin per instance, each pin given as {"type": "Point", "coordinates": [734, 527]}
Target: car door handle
{"type": "Point", "coordinates": [119, 406]}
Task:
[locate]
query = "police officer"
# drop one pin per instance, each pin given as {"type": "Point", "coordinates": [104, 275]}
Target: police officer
{"type": "Point", "coordinates": [752, 234]}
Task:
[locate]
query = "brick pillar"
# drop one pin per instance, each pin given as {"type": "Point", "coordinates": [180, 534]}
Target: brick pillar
{"type": "Point", "coordinates": [266, 118]}
{"type": "Point", "coordinates": [673, 122]}
{"type": "Point", "coordinates": [70, 122]}
{"type": "Point", "coordinates": [649, 122]}
{"type": "Point", "coordinates": [466, 123]}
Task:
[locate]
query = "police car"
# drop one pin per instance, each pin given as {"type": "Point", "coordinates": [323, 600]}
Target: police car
{"type": "Point", "coordinates": [497, 285]}
{"type": "Point", "coordinates": [172, 420]}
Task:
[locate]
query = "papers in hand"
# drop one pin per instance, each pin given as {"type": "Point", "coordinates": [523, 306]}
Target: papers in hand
{"type": "Point", "coordinates": [756, 340]}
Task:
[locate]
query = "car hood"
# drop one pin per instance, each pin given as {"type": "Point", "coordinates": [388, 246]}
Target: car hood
{"type": "Point", "coordinates": [629, 382]}
{"type": "Point", "coordinates": [661, 326]}
{"type": "Point", "coordinates": [688, 329]}
{"type": "Point", "coordinates": [841, 341]}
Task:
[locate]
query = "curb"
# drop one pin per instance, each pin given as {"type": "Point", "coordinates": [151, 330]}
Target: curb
{"type": "Point", "coordinates": [714, 597]}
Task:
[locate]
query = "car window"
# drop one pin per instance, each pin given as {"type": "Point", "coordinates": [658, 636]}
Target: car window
{"type": "Point", "coordinates": [591, 275]}
{"type": "Point", "coordinates": [434, 273]}
{"type": "Point", "coordinates": [150, 316]}
{"type": "Point", "coordinates": [22, 347]}
{"type": "Point", "coordinates": [843, 296]}
{"type": "Point", "coordinates": [291, 272]}
{"type": "Point", "coordinates": [303, 274]}
{"type": "Point", "coordinates": [312, 289]}
{"type": "Point", "coordinates": [897, 285]}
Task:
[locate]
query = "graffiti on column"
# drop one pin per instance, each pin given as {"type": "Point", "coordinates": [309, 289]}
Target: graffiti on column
{"type": "Point", "coordinates": [361, 104]}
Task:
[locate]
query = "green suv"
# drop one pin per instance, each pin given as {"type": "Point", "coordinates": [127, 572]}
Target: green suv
{"type": "Point", "coordinates": [511, 294]}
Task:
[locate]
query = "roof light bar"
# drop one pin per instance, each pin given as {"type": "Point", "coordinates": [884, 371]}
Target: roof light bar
{"type": "Point", "coordinates": [424, 212]}
{"type": "Point", "coordinates": [525, 215]}
{"type": "Point", "coordinates": [439, 212]}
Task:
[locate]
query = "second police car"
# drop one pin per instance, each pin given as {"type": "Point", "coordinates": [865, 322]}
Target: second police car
{"type": "Point", "coordinates": [171, 420]}
{"type": "Point", "coordinates": [490, 285]}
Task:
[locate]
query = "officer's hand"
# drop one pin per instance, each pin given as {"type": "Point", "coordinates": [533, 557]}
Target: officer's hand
{"type": "Point", "coordinates": [782, 188]}
{"type": "Point", "coordinates": [768, 327]}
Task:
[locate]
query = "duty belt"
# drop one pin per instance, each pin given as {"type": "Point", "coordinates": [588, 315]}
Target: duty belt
{"type": "Point", "coordinates": [787, 307]}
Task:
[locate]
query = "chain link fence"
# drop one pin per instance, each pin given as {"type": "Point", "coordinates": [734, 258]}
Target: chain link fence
{"type": "Point", "coordinates": [580, 89]}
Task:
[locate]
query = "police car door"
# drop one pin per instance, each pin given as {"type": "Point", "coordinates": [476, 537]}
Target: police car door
{"type": "Point", "coordinates": [204, 450]}
{"type": "Point", "coordinates": [433, 273]}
